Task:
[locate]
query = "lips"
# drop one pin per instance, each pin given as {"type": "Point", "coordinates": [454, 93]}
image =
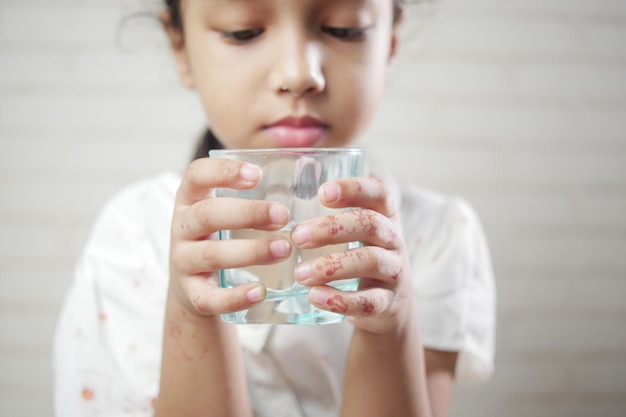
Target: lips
{"type": "Point", "coordinates": [297, 132]}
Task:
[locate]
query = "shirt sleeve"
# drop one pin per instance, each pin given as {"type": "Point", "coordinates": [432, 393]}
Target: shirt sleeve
{"type": "Point", "coordinates": [454, 281]}
{"type": "Point", "coordinates": [107, 347]}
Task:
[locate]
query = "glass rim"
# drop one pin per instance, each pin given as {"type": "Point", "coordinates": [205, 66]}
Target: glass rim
{"type": "Point", "coordinates": [299, 151]}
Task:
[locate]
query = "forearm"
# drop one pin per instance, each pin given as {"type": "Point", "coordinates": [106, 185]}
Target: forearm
{"type": "Point", "coordinates": [202, 371]}
{"type": "Point", "coordinates": [386, 374]}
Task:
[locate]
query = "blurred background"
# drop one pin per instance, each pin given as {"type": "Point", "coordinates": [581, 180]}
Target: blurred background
{"type": "Point", "coordinates": [517, 105]}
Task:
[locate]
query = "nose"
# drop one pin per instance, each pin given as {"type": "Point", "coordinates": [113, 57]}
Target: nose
{"type": "Point", "coordinates": [297, 69]}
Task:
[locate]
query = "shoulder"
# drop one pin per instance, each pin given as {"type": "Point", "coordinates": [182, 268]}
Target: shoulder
{"type": "Point", "coordinates": [444, 238]}
{"type": "Point", "coordinates": [147, 195]}
{"type": "Point", "coordinates": [143, 201]}
{"type": "Point", "coordinates": [426, 213]}
{"type": "Point", "coordinates": [137, 216]}
{"type": "Point", "coordinates": [453, 277]}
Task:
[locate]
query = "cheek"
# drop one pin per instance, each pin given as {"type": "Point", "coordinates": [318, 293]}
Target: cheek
{"type": "Point", "coordinates": [223, 91]}
{"type": "Point", "coordinates": [358, 95]}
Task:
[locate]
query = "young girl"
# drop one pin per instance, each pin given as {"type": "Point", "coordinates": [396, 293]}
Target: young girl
{"type": "Point", "coordinates": [141, 333]}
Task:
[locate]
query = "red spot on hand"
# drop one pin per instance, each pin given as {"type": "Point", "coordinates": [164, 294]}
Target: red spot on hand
{"type": "Point", "coordinates": [366, 305]}
{"type": "Point", "coordinates": [333, 264]}
{"type": "Point", "coordinates": [396, 274]}
{"type": "Point", "coordinates": [392, 237]}
{"type": "Point", "coordinates": [337, 304]}
{"type": "Point", "coordinates": [366, 221]}
{"type": "Point", "coordinates": [334, 226]}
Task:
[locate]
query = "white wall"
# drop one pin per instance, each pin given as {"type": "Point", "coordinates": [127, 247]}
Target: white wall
{"type": "Point", "coordinates": [518, 105]}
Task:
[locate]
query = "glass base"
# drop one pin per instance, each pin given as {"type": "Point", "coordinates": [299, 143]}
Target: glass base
{"type": "Point", "coordinates": [288, 308]}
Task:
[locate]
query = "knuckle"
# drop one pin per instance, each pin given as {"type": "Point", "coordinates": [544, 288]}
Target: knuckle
{"type": "Point", "coordinates": [390, 206]}
{"type": "Point", "coordinates": [227, 168]}
{"type": "Point", "coordinates": [260, 251]}
{"type": "Point", "coordinates": [365, 221]}
{"type": "Point", "coordinates": [254, 214]}
{"type": "Point", "coordinates": [384, 196]}
{"type": "Point", "coordinates": [201, 213]}
{"type": "Point", "coordinates": [370, 221]}
{"type": "Point", "coordinates": [233, 302]}
{"type": "Point", "coordinates": [207, 260]}
{"type": "Point", "coordinates": [357, 185]}
{"type": "Point", "coordinates": [366, 306]}
{"type": "Point", "coordinates": [194, 169]}
{"type": "Point", "coordinates": [201, 304]}
{"type": "Point", "coordinates": [386, 199]}
{"type": "Point", "coordinates": [374, 259]}
{"type": "Point", "coordinates": [177, 260]}
{"type": "Point", "coordinates": [230, 300]}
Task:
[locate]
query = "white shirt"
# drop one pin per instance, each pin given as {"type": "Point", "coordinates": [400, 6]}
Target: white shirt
{"type": "Point", "coordinates": [108, 341]}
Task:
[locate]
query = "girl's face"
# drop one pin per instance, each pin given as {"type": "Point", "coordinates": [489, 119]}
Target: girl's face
{"type": "Point", "coordinates": [286, 73]}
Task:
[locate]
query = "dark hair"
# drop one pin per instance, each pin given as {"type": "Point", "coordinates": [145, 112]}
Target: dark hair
{"type": "Point", "coordinates": [173, 6]}
{"type": "Point", "coordinates": [208, 140]}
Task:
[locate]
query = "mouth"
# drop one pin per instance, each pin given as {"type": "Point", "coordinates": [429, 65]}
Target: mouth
{"type": "Point", "coordinates": [297, 132]}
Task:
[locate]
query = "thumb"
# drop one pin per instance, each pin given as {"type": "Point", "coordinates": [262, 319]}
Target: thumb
{"type": "Point", "coordinates": [213, 301]}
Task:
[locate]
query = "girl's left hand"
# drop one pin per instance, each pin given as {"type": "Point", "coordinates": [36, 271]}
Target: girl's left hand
{"type": "Point", "coordinates": [383, 300]}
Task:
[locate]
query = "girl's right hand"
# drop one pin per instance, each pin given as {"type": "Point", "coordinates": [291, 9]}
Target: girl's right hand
{"type": "Point", "coordinates": [196, 255]}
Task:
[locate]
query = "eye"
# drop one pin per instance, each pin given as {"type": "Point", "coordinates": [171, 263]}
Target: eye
{"type": "Point", "coordinates": [242, 36]}
{"type": "Point", "coordinates": [344, 33]}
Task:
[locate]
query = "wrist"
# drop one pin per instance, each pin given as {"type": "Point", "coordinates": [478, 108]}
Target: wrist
{"type": "Point", "coordinates": [392, 322]}
{"type": "Point", "coordinates": [190, 334]}
{"type": "Point", "coordinates": [181, 309]}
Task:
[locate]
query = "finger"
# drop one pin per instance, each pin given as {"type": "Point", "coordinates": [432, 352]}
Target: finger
{"type": "Point", "coordinates": [207, 298]}
{"type": "Point", "coordinates": [368, 261]}
{"type": "Point", "coordinates": [367, 226]}
{"type": "Point", "coordinates": [206, 173]}
{"type": "Point", "coordinates": [362, 303]}
{"type": "Point", "coordinates": [192, 258]}
{"type": "Point", "coordinates": [209, 215]}
{"type": "Point", "coordinates": [365, 192]}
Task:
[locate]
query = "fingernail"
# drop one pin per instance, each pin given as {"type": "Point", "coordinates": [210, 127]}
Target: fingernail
{"type": "Point", "coordinates": [279, 248]}
{"type": "Point", "coordinates": [279, 214]}
{"type": "Point", "coordinates": [257, 293]}
{"type": "Point", "coordinates": [330, 192]}
{"type": "Point", "coordinates": [301, 235]}
{"type": "Point", "coordinates": [317, 295]}
{"type": "Point", "coordinates": [302, 271]}
{"type": "Point", "coordinates": [249, 172]}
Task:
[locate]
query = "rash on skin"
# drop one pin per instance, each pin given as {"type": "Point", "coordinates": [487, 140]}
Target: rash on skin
{"type": "Point", "coordinates": [331, 264]}
{"type": "Point", "coordinates": [392, 237]}
{"type": "Point", "coordinates": [333, 225]}
{"type": "Point", "coordinates": [367, 221]}
{"type": "Point", "coordinates": [369, 224]}
{"type": "Point", "coordinates": [367, 306]}
{"type": "Point", "coordinates": [397, 273]}
{"type": "Point", "coordinates": [173, 330]}
{"type": "Point", "coordinates": [337, 304]}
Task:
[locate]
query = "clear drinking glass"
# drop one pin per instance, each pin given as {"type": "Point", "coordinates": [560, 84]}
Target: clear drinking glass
{"type": "Point", "coordinates": [291, 176]}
